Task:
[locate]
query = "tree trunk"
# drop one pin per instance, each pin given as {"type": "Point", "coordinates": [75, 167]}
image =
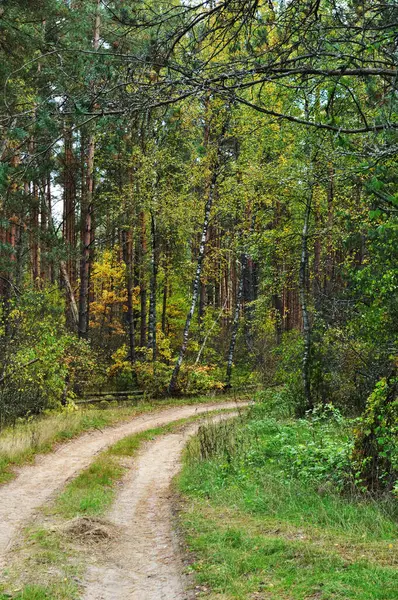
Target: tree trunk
{"type": "Point", "coordinates": [87, 215]}
{"type": "Point", "coordinates": [303, 291]}
{"type": "Point", "coordinates": [130, 285]}
{"type": "Point", "coordinates": [86, 243]}
{"type": "Point", "coordinates": [330, 258]}
{"type": "Point", "coordinates": [173, 382]}
{"type": "Point", "coordinates": [72, 306]}
{"type": "Point", "coordinates": [143, 293]}
{"type": "Point", "coordinates": [69, 204]}
{"type": "Point", "coordinates": [235, 323]}
{"type": "Point", "coordinates": [153, 290]}
{"type": "Point", "coordinates": [34, 230]}
{"type": "Point", "coordinates": [249, 293]}
{"type": "Point", "coordinates": [165, 292]}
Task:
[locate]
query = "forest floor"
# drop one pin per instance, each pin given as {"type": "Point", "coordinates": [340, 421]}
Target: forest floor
{"type": "Point", "coordinates": [38, 484]}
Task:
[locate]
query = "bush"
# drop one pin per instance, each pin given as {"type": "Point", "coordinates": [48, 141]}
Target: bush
{"type": "Point", "coordinates": [375, 454]}
{"type": "Point", "coordinates": [316, 450]}
{"type": "Point", "coordinates": [40, 361]}
{"type": "Point", "coordinates": [195, 379]}
{"type": "Point", "coordinates": [289, 370]}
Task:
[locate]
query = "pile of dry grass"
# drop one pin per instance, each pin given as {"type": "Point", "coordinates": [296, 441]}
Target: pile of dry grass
{"type": "Point", "coordinates": [90, 530]}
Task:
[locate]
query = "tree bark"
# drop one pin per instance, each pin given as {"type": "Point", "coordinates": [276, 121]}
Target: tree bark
{"type": "Point", "coordinates": [235, 323]}
{"type": "Point", "coordinates": [34, 230]}
{"type": "Point", "coordinates": [153, 290]}
{"type": "Point", "coordinates": [87, 215]}
{"type": "Point", "coordinates": [130, 285]}
{"type": "Point", "coordinates": [143, 290]}
{"type": "Point", "coordinates": [303, 291]}
{"type": "Point", "coordinates": [69, 204]}
{"type": "Point", "coordinates": [72, 306]}
{"type": "Point", "coordinates": [86, 243]}
{"type": "Point", "coordinates": [165, 292]}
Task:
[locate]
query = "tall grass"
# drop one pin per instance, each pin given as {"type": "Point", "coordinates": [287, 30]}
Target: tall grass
{"type": "Point", "coordinates": [19, 444]}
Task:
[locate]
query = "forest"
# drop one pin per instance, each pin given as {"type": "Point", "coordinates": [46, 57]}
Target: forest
{"type": "Point", "coordinates": [200, 197]}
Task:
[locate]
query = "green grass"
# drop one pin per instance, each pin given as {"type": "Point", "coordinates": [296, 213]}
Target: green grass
{"type": "Point", "coordinates": [92, 491]}
{"type": "Point", "coordinates": [53, 572]}
{"type": "Point", "coordinates": [236, 562]}
{"type": "Point", "coordinates": [257, 529]}
{"type": "Point", "coordinates": [20, 444]}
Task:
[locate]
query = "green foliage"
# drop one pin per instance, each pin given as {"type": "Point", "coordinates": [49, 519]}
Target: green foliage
{"type": "Point", "coordinates": [42, 363]}
{"type": "Point", "coordinates": [275, 402]}
{"type": "Point", "coordinates": [316, 450]}
{"type": "Point", "coordinates": [149, 193]}
{"type": "Point", "coordinates": [288, 371]}
{"type": "Point", "coordinates": [375, 453]}
{"type": "Point", "coordinates": [197, 378]}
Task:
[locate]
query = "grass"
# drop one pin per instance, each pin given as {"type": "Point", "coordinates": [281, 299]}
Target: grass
{"type": "Point", "coordinates": [20, 444]}
{"type": "Point", "coordinates": [49, 562]}
{"type": "Point", "coordinates": [256, 529]}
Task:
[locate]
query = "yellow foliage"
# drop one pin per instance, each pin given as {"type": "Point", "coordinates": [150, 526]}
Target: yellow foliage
{"type": "Point", "coordinates": [110, 292]}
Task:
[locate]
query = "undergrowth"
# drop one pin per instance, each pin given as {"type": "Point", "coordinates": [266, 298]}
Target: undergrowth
{"type": "Point", "coordinates": [271, 511]}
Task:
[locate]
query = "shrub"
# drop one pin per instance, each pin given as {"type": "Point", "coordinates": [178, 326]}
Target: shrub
{"type": "Point", "coordinates": [40, 361]}
{"type": "Point", "coordinates": [375, 453]}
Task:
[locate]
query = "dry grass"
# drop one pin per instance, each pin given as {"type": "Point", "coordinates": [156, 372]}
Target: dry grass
{"type": "Point", "coordinates": [90, 530]}
{"type": "Point", "coordinates": [20, 444]}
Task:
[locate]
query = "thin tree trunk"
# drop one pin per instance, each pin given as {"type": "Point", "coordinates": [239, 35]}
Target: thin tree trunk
{"type": "Point", "coordinates": [86, 244]}
{"type": "Point", "coordinates": [51, 273]}
{"type": "Point", "coordinates": [153, 290]}
{"type": "Point", "coordinates": [130, 286]}
{"type": "Point", "coordinates": [69, 204]}
{"type": "Point", "coordinates": [143, 291]}
{"type": "Point", "coordinates": [70, 295]}
{"type": "Point", "coordinates": [330, 258]}
{"type": "Point", "coordinates": [165, 292]}
{"type": "Point", "coordinates": [44, 225]}
{"type": "Point", "coordinates": [249, 293]}
{"type": "Point", "coordinates": [235, 324]}
{"type": "Point", "coordinates": [173, 382]}
{"type": "Point", "coordinates": [35, 252]}
{"type": "Point", "coordinates": [303, 287]}
{"type": "Point", "coordinates": [87, 215]}
{"type": "Point", "coordinates": [209, 332]}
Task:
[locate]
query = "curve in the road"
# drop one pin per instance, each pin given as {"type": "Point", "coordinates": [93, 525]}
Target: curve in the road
{"type": "Point", "coordinates": [36, 484]}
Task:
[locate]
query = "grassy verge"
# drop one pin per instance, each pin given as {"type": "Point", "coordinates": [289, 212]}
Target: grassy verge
{"type": "Point", "coordinates": [19, 445]}
{"type": "Point", "coordinates": [263, 519]}
{"type": "Point", "coordinates": [49, 563]}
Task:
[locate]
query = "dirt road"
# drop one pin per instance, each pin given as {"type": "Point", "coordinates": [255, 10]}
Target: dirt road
{"type": "Point", "coordinates": [144, 561]}
{"type": "Point", "coordinates": [37, 483]}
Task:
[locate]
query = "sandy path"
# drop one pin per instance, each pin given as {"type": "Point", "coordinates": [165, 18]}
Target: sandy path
{"type": "Point", "coordinates": [35, 484]}
{"type": "Point", "coordinates": [144, 563]}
